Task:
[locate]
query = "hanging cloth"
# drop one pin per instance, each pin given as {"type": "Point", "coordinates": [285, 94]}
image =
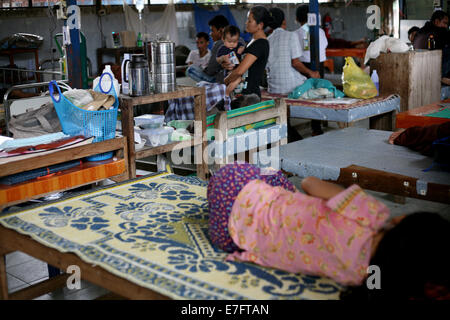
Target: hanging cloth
{"type": "Point", "coordinates": [166, 26]}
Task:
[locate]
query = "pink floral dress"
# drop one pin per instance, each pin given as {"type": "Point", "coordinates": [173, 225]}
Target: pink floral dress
{"type": "Point", "coordinates": [302, 234]}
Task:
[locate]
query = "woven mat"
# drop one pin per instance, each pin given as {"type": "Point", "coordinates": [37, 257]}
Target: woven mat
{"type": "Point", "coordinates": [310, 103]}
{"type": "Point", "coordinates": [153, 232]}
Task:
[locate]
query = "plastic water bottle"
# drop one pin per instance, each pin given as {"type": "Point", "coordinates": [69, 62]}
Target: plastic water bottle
{"type": "Point", "coordinates": [106, 81]}
{"type": "Point", "coordinates": [376, 80]}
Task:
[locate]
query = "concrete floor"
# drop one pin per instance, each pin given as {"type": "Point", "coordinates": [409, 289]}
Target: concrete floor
{"type": "Point", "coordinates": [23, 270]}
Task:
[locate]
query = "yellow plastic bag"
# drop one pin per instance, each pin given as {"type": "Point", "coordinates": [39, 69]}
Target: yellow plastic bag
{"type": "Point", "coordinates": [356, 83]}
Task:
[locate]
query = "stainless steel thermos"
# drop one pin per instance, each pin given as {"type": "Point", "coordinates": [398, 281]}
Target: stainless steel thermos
{"type": "Point", "coordinates": [138, 76]}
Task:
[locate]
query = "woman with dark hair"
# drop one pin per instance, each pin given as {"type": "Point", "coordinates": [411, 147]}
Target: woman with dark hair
{"type": "Point", "coordinates": [414, 261]}
{"type": "Point", "coordinates": [251, 69]}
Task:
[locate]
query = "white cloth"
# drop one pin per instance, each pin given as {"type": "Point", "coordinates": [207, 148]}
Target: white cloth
{"type": "Point", "coordinates": [166, 26]}
{"type": "Point", "coordinates": [281, 76]}
{"type": "Point", "coordinates": [194, 57]}
{"type": "Point", "coordinates": [323, 44]}
{"type": "Point", "coordinates": [383, 44]}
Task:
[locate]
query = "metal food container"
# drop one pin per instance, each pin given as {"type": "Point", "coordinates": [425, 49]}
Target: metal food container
{"type": "Point", "coordinates": [165, 87]}
{"type": "Point", "coordinates": [163, 66]}
{"type": "Point", "coordinates": [164, 77]}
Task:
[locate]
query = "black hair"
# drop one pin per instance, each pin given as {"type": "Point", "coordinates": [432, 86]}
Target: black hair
{"type": "Point", "coordinates": [413, 29]}
{"type": "Point", "coordinates": [203, 35]}
{"type": "Point", "coordinates": [439, 14]}
{"type": "Point", "coordinates": [231, 30]}
{"type": "Point", "coordinates": [302, 13]}
{"type": "Point", "coordinates": [414, 253]}
{"type": "Point", "coordinates": [219, 22]}
{"type": "Point", "coordinates": [277, 16]}
{"type": "Point", "coordinates": [261, 15]}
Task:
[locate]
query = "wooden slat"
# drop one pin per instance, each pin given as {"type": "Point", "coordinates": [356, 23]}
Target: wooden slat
{"type": "Point", "coordinates": [179, 93]}
{"type": "Point", "coordinates": [147, 152]}
{"type": "Point", "coordinates": [253, 117]}
{"type": "Point", "coordinates": [40, 288]}
{"type": "Point", "coordinates": [346, 52]}
{"type": "Point", "coordinates": [68, 179]}
{"type": "Point", "coordinates": [61, 156]}
{"type": "Point", "coordinates": [391, 183]}
{"type": "Point", "coordinates": [14, 241]}
{"type": "Point", "coordinates": [3, 279]}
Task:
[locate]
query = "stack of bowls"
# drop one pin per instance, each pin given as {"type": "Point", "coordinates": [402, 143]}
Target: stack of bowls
{"type": "Point", "coordinates": [163, 66]}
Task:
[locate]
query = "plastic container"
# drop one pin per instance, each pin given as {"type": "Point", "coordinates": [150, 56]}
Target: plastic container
{"type": "Point", "coordinates": [106, 82]}
{"type": "Point", "coordinates": [157, 137]}
{"type": "Point", "coordinates": [376, 81]}
{"type": "Point", "coordinates": [149, 121]}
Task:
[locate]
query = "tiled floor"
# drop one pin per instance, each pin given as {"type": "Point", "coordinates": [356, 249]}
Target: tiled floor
{"type": "Point", "coordinates": [23, 270]}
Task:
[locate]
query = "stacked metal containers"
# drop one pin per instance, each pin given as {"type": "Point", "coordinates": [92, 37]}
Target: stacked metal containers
{"type": "Point", "coordinates": [163, 66]}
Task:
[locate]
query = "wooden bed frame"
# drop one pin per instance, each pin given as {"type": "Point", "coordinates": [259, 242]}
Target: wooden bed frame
{"type": "Point", "coordinates": [11, 241]}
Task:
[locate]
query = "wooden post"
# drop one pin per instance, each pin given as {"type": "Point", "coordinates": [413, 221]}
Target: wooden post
{"type": "Point", "coordinates": [126, 107]}
{"type": "Point", "coordinates": [200, 138]}
{"type": "Point", "coordinates": [3, 279]}
{"type": "Point", "coordinates": [221, 137]}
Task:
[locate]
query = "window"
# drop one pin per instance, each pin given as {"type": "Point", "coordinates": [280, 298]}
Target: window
{"type": "Point", "coordinates": [13, 4]}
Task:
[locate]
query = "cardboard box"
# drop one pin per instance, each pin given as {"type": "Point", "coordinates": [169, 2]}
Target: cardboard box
{"type": "Point", "coordinates": [128, 39]}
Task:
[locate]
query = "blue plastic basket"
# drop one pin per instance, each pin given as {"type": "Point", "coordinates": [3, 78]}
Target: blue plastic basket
{"type": "Point", "coordinates": [77, 121]}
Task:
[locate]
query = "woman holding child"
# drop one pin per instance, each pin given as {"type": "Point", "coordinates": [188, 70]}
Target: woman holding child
{"type": "Point", "coordinates": [251, 68]}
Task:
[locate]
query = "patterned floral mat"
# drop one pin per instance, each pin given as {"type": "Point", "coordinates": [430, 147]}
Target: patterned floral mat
{"type": "Point", "coordinates": [337, 106]}
{"type": "Point", "coordinates": [153, 232]}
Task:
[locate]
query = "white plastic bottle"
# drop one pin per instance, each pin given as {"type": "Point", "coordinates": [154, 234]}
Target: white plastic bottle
{"type": "Point", "coordinates": [376, 81]}
{"type": "Point", "coordinates": [106, 81]}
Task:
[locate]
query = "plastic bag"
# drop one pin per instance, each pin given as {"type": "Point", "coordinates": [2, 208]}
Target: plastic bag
{"type": "Point", "coordinates": [315, 84]}
{"type": "Point", "coordinates": [356, 83]}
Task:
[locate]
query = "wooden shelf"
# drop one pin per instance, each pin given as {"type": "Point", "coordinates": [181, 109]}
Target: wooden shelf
{"type": "Point", "coordinates": [151, 151]}
{"type": "Point", "coordinates": [181, 92]}
{"type": "Point", "coordinates": [87, 173]}
{"type": "Point", "coordinates": [127, 105]}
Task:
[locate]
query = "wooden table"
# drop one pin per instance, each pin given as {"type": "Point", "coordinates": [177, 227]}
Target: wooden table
{"type": "Point", "coordinates": [200, 142]}
{"type": "Point", "coordinates": [380, 111]}
{"type": "Point", "coordinates": [87, 173]}
{"type": "Point", "coordinates": [417, 116]}
{"type": "Point", "coordinates": [364, 157]}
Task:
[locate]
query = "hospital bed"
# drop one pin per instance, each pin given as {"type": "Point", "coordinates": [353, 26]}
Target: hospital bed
{"type": "Point", "coordinates": [361, 156]}
{"type": "Point", "coordinates": [144, 239]}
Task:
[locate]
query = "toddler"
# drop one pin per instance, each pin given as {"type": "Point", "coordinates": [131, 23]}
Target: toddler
{"type": "Point", "coordinates": [231, 50]}
{"type": "Point", "coordinates": [329, 231]}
